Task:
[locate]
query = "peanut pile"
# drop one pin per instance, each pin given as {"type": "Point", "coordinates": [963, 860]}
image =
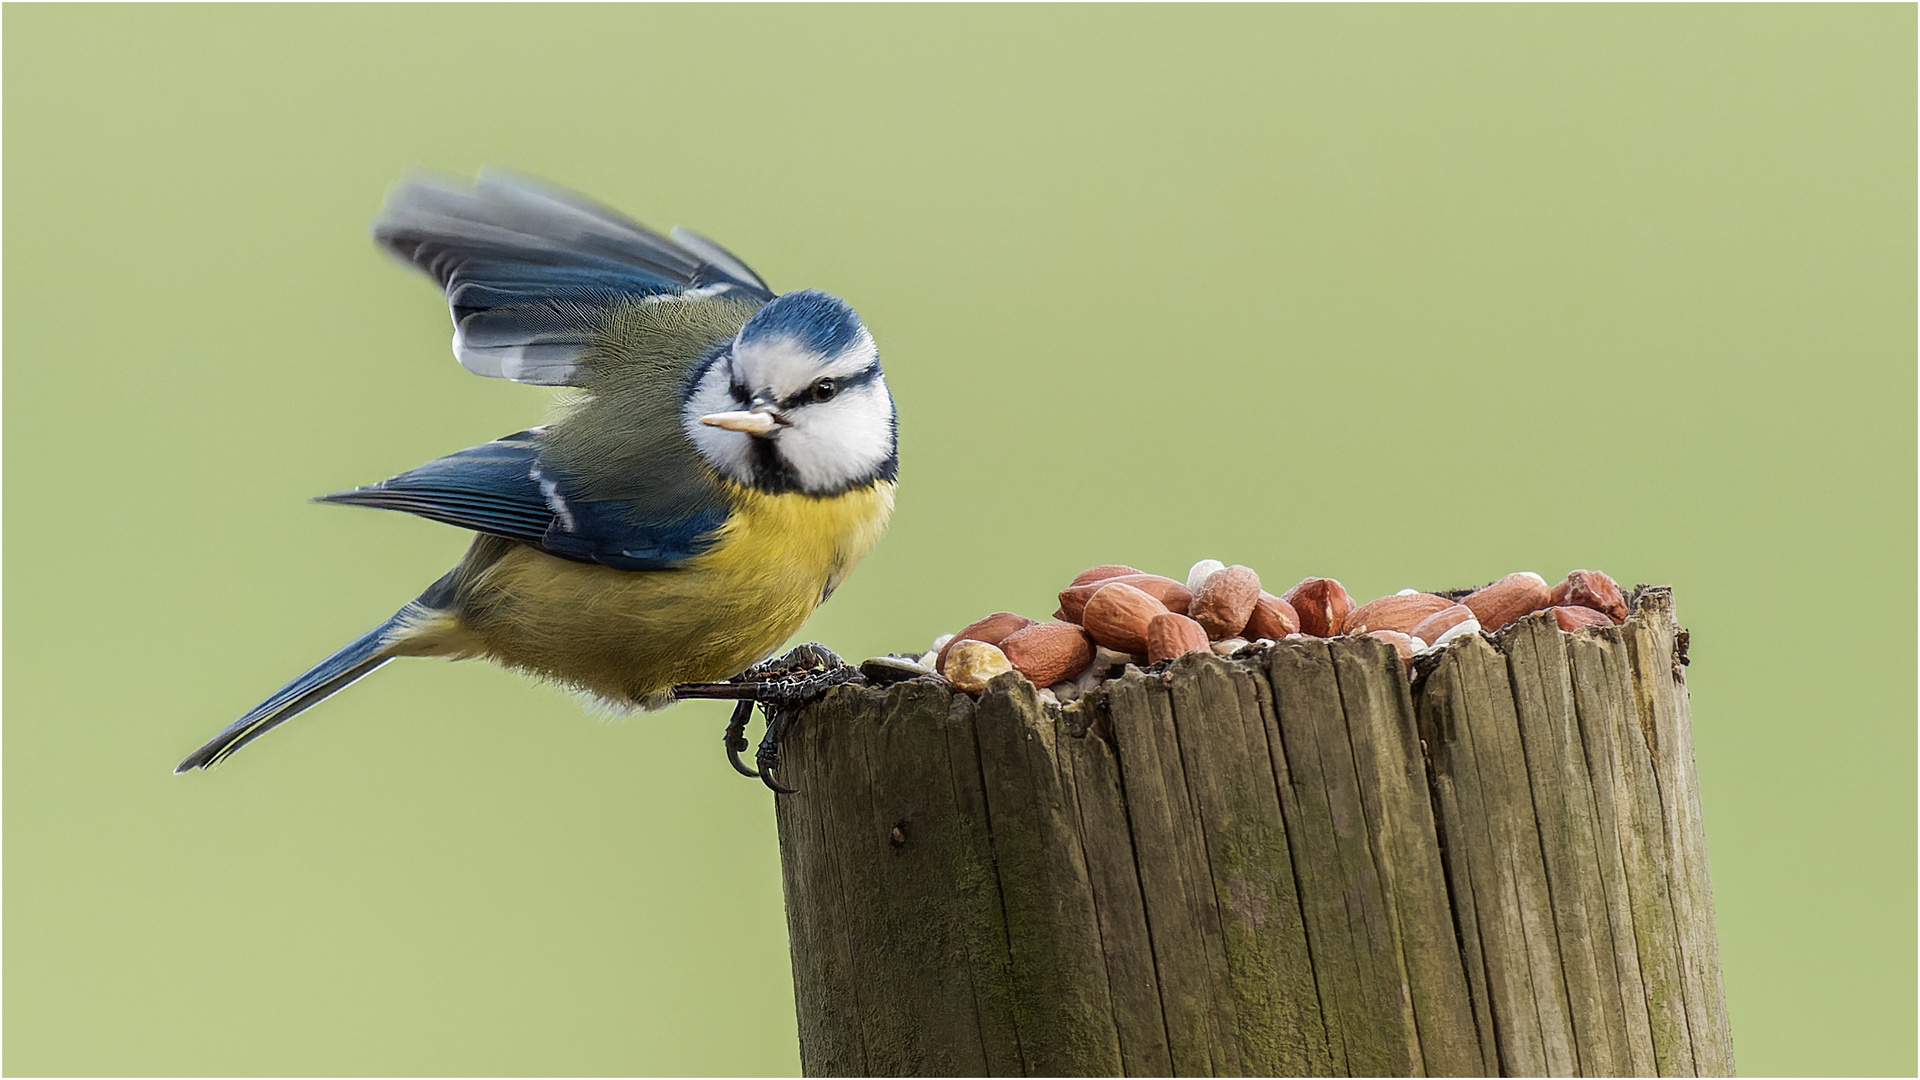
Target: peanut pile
{"type": "Point", "coordinates": [1115, 615]}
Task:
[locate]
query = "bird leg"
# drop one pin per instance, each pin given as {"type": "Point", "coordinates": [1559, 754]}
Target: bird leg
{"type": "Point", "coordinates": [777, 686]}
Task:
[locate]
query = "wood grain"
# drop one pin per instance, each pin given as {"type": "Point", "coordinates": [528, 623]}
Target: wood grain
{"type": "Point", "coordinates": [1298, 863]}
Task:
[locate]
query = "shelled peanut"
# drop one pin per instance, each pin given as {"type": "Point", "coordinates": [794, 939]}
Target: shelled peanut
{"type": "Point", "coordinates": [1114, 614]}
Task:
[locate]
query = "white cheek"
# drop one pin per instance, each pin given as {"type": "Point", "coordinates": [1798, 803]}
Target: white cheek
{"type": "Point", "coordinates": [730, 452]}
{"type": "Point", "coordinates": [843, 441]}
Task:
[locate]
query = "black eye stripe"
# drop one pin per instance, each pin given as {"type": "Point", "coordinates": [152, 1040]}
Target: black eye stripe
{"type": "Point", "coordinates": [841, 384]}
{"type": "Point", "coordinates": [859, 378]}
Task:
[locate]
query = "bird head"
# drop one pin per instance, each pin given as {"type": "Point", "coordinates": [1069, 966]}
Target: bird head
{"type": "Point", "coordinates": [796, 401]}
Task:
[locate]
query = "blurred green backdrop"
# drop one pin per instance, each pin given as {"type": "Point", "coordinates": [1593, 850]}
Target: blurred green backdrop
{"type": "Point", "coordinates": [1405, 296]}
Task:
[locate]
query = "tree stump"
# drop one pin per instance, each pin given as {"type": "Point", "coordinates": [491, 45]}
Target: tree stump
{"type": "Point", "coordinates": [1302, 862]}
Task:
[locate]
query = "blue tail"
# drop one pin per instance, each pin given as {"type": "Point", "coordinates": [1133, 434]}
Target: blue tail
{"type": "Point", "coordinates": [327, 678]}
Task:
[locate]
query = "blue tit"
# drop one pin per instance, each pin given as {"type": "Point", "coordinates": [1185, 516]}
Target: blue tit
{"type": "Point", "coordinates": [729, 458]}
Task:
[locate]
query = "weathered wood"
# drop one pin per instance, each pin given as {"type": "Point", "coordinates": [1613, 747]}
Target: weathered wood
{"type": "Point", "coordinates": [1375, 1011]}
{"type": "Point", "coordinates": [1643, 854]}
{"type": "Point", "coordinates": [1598, 710]}
{"type": "Point", "coordinates": [1456, 791]}
{"type": "Point", "coordinates": [1461, 746]}
{"type": "Point", "coordinates": [1651, 643]}
{"type": "Point", "coordinates": [1108, 847]}
{"type": "Point", "coordinates": [1563, 807]}
{"type": "Point", "coordinates": [1183, 923]}
{"type": "Point", "coordinates": [1224, 757]}
{"type": "Point", "coordinates": [830, 1016]}
{"type": "Point", "coordinates": [1061, 1008]}
{"type": "Point", "coordinates": [1296, 863]}
{"type": "Point", "coordinates": [1304, 687]}
{"type": "Point", "coordinates": [924, 983]}
{"type": "Point", "coordinates": [1399, 805]}
{"type": "Point", "coordinates": [1518, 852]}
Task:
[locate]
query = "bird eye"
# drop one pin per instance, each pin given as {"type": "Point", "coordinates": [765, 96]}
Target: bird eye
{"type": "Point", "coordinates": [824, 389]}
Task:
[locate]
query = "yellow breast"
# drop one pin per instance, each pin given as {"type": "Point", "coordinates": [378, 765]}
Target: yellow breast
{"type": "Point", "coordinates": [629, 637]}
{"type": "Point", "coordinates": [808, 543]}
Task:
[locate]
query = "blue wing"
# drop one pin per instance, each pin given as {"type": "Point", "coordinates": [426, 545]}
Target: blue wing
{"type": "Point", "coordinates": [503, 488]}
{"type": "Point", "coordinates": [530, 270]}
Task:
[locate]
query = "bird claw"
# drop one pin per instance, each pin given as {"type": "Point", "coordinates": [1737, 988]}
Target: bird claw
{"type": "Point", "coordinates": [737, 738]}
{"type": "Point", "coordinates": [768, 755]}
{"type": "Point", "coordinates": [804, 674]}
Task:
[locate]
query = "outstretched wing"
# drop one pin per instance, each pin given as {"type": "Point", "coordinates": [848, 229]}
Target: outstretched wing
{"type": "Point", "coordinates": [530, 271]}
{"type": "Point", "coordinates": [505, 489]}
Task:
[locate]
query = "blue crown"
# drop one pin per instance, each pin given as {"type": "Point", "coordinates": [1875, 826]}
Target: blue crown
{"type": "Point", "coordinates": [826, 324]}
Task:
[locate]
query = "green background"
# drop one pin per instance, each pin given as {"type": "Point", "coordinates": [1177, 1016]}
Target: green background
{"type": "Point", "coordinates": [1404, 296]}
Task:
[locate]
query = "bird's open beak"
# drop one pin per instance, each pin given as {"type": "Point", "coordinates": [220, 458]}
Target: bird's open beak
{"type": "Point", "coordinates": [753, 422]}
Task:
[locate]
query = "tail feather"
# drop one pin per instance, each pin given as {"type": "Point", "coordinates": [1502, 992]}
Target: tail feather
{"type": "Point", "coordinates": [328, 677]}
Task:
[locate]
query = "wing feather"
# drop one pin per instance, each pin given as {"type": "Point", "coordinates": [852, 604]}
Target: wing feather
{"type": "Point", "coordinates": [503, 488]}
{"type": "Point", "coordinates": [531, 271]}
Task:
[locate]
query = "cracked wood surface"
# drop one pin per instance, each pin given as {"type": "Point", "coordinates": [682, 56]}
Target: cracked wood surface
{"type": "Point", "coordinates": [1299, 863]}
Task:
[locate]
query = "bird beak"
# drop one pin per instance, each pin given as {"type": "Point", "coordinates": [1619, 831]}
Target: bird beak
{"type": "Point", "coordinates": [753, 422]}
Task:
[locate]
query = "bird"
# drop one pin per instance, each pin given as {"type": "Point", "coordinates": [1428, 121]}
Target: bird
{"type": "Point", "coordinates": [729, 456]}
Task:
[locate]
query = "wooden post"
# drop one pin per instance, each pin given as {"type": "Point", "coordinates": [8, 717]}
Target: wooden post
{"type": "Point", "coordinates": [1302, 862]}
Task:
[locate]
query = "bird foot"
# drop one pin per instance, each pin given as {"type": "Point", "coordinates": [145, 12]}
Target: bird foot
{"type": "Point", "coordinates": [777, 686]}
